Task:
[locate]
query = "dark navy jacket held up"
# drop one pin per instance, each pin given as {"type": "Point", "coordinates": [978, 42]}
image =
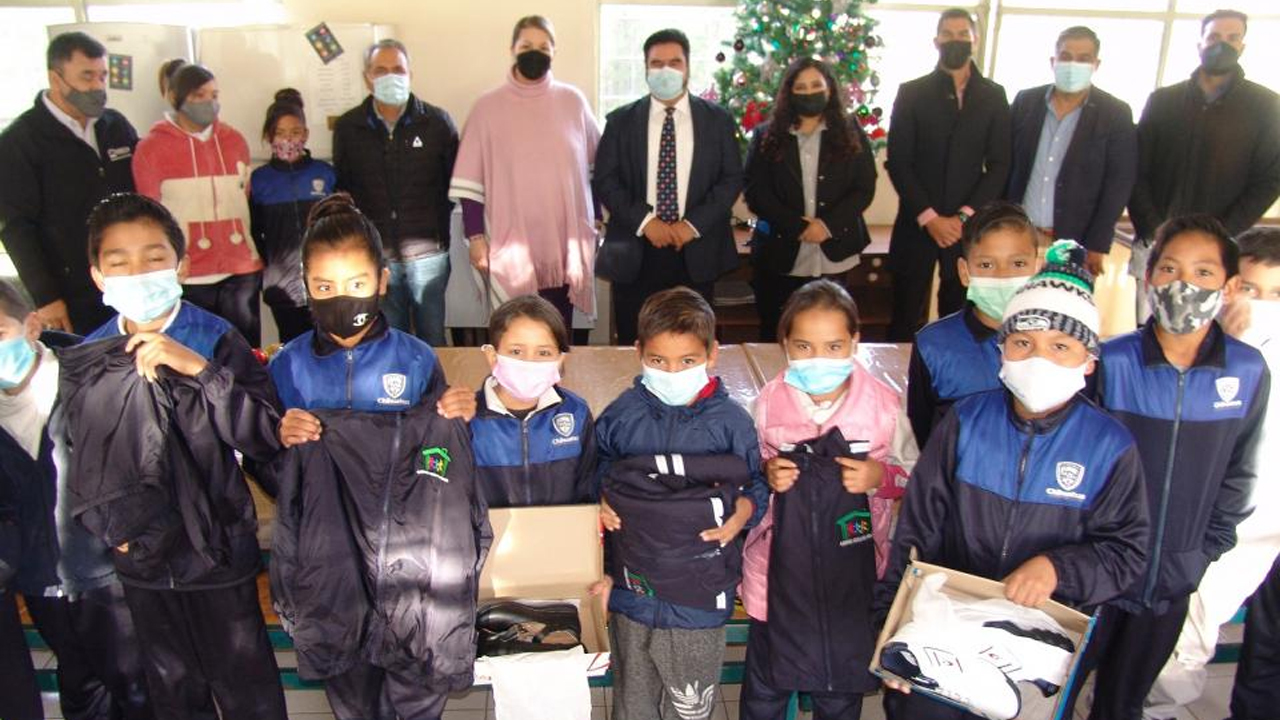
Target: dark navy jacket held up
{"type": "Point", "coordinates": [281, 196]}
{"type": "Point", "coordinates": [1197, 431]}
{"type": "Point", "coordinates": [952, 358]}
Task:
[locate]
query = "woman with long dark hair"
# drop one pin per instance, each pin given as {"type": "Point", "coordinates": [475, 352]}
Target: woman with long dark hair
{"type": "Point", "coordinates": [810, 174]}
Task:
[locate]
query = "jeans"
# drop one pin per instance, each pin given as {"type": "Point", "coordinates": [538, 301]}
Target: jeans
{"type": "Point", "coordinates": [416, 294]}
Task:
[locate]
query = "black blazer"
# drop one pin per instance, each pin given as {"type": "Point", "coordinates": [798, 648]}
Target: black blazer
{"type": "Point", "coordinates": [1097, 173]}
{"type": "Point", "coordinates": [620, 182]}
{"type": "Point", "coordinates": [775, 193]}
{"type": "Point", "coordinates": [944, 156]}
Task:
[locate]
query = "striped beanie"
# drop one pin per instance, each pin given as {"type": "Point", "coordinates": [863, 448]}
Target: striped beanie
{"type": "Point", "coordinates": [1059, 297]}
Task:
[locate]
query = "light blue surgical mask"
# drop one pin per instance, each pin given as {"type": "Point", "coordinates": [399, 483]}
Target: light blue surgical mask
{"type": "Point", "coordinates": [676, 388]}
{"type": "Point", "coordinates": [16, 358]}
{"type": "Point", "coordinates": [1072, 77]}
{"type": "Point", "coordinates": [142, 298]}
{"type": "Point", "coordinates": [391, 89]}
{"type": "Point", "coordinates": [819, 375]}
{"type": "Point", "coordinates": [665, 83]}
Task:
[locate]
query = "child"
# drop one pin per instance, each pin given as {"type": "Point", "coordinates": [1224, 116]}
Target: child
{"type": "Point", "coordinates": [1007, 489]}
{"type": "Point", "coordinates": [1194, 399]}
{"type": "Point", "coordinates": [158, 403]}
{"type": "Point", "coordinates": [535, 442]}
{"type": "Point", "coordinates": [281, 193]}
{"type": "Point", "coordinates": [820, 639]}
{"type": "Point", "coordinates": [667, 657]}
{"type": "Point", "coordinates": [957, 355]}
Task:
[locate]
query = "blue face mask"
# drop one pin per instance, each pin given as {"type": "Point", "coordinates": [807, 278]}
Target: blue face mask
{"type": "Point", "coordinates": [391, 89]}
{"type": "Point", "coordinates": [676, 388]}
{"type": "Point", "coordinates": [818, 376]}
{"type": "Point", "coordinates": [1072, 77]}
{"type": "Point", "coordinates": [665, 83]}
{"type": "Point", "coordinates": [16, 358]}
{"type": "Point", "coordinates": [142, 298]}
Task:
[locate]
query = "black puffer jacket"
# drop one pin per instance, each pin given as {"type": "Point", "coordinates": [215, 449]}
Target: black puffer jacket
{"type": "Point", "coordinates": [378, 545]}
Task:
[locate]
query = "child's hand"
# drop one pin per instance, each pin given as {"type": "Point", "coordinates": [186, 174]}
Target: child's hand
{"type": "Point", "coordinates": [1032, 583]}
{"type": "Point", "coordinates": [602, 588]}
{"type": "Point", "coordinates": [122, 547]}
{"type": "Point", "coordinates": [151, 350]}
{"type": "Point", "coordinates": [298, 427]}
{"type": "Point", "coordinates": [457, 402]}
{"type": "Point", "coordinates": [860, 476]}
{"type": "Point", "coordinates": [610, 519]}
{"type": "Point", "coordinates": [897, 685]}
{"type": "Point", "coordinates": [730, 529]}
{"type": "Point", "coordinates": [781, 473]}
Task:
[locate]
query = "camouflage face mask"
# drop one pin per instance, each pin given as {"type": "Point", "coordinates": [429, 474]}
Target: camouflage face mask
{"type": "Point", "coordinates": [1183, 308]}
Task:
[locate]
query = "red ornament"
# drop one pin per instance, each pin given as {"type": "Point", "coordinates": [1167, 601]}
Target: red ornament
{"type": "Point", "coordinates": [753, 115]}
{"type": "Point", "coordinates": [878, 134]}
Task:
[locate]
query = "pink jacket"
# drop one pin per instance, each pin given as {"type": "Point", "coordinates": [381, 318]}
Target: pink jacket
{"type": "Point", "coordinates": [870, 411]}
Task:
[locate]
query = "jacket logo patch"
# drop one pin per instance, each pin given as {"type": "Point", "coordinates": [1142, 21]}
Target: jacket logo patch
{"type": "Point", "coordinates": [1228, 388]}
{"type": "Point", "coordinates": [417, 141]}
{"type": "Point", "coordinates": [1031, 323]}
{"type": "Point", "coordinates": [637, 583]}
{"type": "Point", "coordinates": [434, 461]}
{"type": "Point", "coordinates": [317, 186]}
{"type": "Point", "coordinates": [118, 153]}
{"type": "Point", "coordinates": [854, 527]}
{"type": "Point", "coordinates": [394, 384]}
{"type": "Point", "coordinates": [1069, 477]}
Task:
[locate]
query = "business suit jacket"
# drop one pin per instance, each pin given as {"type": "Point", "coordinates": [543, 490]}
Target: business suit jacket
{"type": "Point", "coordinates": [944, 156]}
{"type": "Point", "coordinates": [1096, 175]}
{"type": "Point", "coordinates": [775, 193]}
{"type": "Point", "coordinates": [620, 180]}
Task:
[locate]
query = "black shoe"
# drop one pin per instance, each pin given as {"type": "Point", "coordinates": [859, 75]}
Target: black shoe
{"type": "Point", "coordinates": [499, 616]}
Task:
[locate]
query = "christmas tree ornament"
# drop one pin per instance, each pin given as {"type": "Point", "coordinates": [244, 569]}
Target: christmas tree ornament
{"type": "Point", "coordinates": [738, 45]}
{"type": "Point", "coordinates": [720, 57]}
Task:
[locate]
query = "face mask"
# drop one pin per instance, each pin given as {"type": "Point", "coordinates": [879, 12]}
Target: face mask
{"type": "Point", "coordinates": [1264, 323]}
{"type": "Point", "coordinates": [344, 316]}
{"type": "Point", "coordinates": [992, 295]}
{"type": "Point", "coordinates": [90, 103]}
{"type": "Point", "coordinates": [809, 104]}
{"type": "Point", "coordinates": [955, 53]}
{"type": "Point", "coordinates": [676, 388]}
{"type": "Point", "coordinates": [1219, 59]}
{"type": "Point", "coordinates": [525, 379]}
{"type": "Point", "coordinates": [391, 89]}
{"type": "Point", "coordinates": [1183, 308]}
{"type": "Point", "coordinates": [1041, 384]}
{"type": "Point", "coordinates": [818, 376]}
{"type": "Point", "coordinates": [1072, 77]}
{"type": "Point", "coordinates": [665, 83]}
{"type": "Point", "coordinates": [533, 64]}
{"type": "Point", "coordinates": [16, 358]}
{"type": "Point", "coordinates": [288, 150]}
{"type": "Point", "coordinates": [142, 298]}
{"type": "Point", "coordinates": [202, 112]}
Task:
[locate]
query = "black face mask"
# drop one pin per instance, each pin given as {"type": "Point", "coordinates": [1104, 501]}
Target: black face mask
{"type": "Point", "coordinates": [955, 53]}
{"type": "Point", "coordinates": [344, 316]}
{"type": "Point", "coordinates": [809, 104]}
{"type": "Point", "coordinates": [1219, 59]}
{"type": "Point", "coordinates": [533, 64]}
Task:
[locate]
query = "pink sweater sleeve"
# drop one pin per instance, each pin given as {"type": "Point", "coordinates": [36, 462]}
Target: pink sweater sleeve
{"type": "Point", "coordinates": [146, 170]}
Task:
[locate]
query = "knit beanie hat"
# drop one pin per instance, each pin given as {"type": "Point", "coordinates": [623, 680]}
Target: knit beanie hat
{"type": "Point", "coordinates": [1059, 297]}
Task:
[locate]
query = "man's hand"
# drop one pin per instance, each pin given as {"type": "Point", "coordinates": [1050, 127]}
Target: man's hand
{"type": "Point", "coordinates": [658, 233]}
{"type": "Point", "coordinates": [860, 476]}
{"type": "Point", "coordinates": [815, 231]}
{"type": "Point", "coordinates": [781, 474]}
{"type": "Point", "coordinates": [152, 350]}
{"type": "Point", "coordinates": [608, 518]}
{"type": "Point", "coordinates": [54, 316]}
{"type": "Point", "coordinates": [682, 233]}
{"type": "Point", "coordinates": [730, 529]}
{"type": "Point", "coordinates": [945, 231]}
{"type": "Point", "coordinates": [479, 250]}
{"type": "Point", "coordinates": [1093, 263]}
{"type": "Point", "coordinates": [1032, 583]}
{"type": "Point", "coordinates": [457, 402]}
{"type": "Point", "coordinates": [1236, 316]}
{"type": "Point", "coordinates": [298, 426]}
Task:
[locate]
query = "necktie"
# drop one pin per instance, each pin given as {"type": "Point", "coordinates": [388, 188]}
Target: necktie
{"type": "Point", "coordinates": [668, 200]}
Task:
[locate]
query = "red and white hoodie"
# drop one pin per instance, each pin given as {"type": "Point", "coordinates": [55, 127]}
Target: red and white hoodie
{"type": "Point", "coordinates": [204, 181]}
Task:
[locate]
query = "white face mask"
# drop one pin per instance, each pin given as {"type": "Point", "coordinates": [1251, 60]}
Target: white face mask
{"type": "Point", "coordinates": [1041, 384]}
{"type": "Point", "coordinates": [1264, 323]}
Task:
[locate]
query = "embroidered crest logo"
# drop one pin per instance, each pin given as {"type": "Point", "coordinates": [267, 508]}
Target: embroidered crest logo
{"type": "Point", "coordinates": [1031, 323]}
{"type": "Point", "coordinates": [563, 423]}
{"type": "Point", "coordinates": [394, 384]}
{"type": "Point", "coordinates": [1228, 388]}
{"type": "Point", "coordinates": [434, 461]}
{"type": "Point", "coordinates": [854, 527]}
{"type": "Point", "coordinates": [317, 186]}
{"type": "Point", "coordinates": [1070, 475]}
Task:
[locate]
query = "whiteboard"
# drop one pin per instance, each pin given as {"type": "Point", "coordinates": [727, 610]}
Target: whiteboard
{"type": "Point", "coordinates": [252, 63]}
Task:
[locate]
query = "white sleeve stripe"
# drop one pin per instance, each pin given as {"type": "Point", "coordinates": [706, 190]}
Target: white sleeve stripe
{"type": "Point", "coordinates": [677, 464]}
{"type": "Point", "coordinates": [661, 462]}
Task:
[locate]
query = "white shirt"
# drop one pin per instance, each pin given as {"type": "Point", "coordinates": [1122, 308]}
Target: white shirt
{"type": "Point", "coordinates": [84, 132]}
{"type": "Point", "coordinates": [24, 415]}
{"type": "Point", "coordinates": [684, 153]}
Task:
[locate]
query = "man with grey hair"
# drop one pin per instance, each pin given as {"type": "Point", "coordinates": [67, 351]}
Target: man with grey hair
{"type": "Point", "coordinates": [394, 153]}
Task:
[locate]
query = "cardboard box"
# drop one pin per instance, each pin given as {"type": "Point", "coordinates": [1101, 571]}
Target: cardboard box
{"type": "Point", "coordinates": [971, 587]}
{"type": "Point", "coordinates": [549, 554]}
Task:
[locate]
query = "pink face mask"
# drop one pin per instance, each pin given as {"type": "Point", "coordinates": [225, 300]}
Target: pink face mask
{"type": "Point", "coordinates": [526, 380]}
{"type": "Point", "coordinates": [288, 150]}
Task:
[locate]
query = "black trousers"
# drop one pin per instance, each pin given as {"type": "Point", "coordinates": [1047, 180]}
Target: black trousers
{"type": "Point", "coordinates": [1256, 694]}
{"type": "Point", "coordinates": [660, 269]}
{"type": "Point", "coordinates": [19, 693]}
{"type": "Point", "coordinates": [912, 281]}
{"type": "Point", "coordinates": [898, 706]}
{"type": "Point", "coordinates": [291, 321]}
{"type": "Point", "coordinates": [559, 296]}
{"type": "Point", "coordinates": [205, 645]}
{"type": "Point", "coordinates": [760, 701]}
{"type": "Point", "coordinates": [368, 692]}
{"type": "Point", "coordinates": [100, 675]}
{"type": "Point", "coordinates": [772, 292]}
{"type": "Point", "coordinates": [235, 299]}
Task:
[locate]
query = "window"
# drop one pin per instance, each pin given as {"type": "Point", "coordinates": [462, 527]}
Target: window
{"type": "Point", "coordinates": [24, 36]}
{"type": "Point", "coordinates": [907, 52]}
{"type": "Point", "coordinates": [192, 14]}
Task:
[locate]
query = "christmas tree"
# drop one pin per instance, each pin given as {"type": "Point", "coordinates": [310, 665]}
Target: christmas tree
{"type": "Point", "coordinates": [771, 34]}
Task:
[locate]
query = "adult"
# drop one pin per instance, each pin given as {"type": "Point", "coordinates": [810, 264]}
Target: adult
{"type": "Point", "coordinates": [60, 158]}
{"type": "Point", "coordinates": [198, 167]}
{"type": "Point", "coordinates": [165, 75]}
{"type": "Point", "coordinates": [394, 154]}
{"type": "Point", "coordinates": [948, 154]}
{"type": "Point", "coordinates": [669, 171]}
{"type": "Point", "coordinates": [810, 174]}
{"type": "Point", "coordinates": [1075, 153]}
{"type": "Point", "coordinates": [523, 177]}
{"type": "Point", "coordinates": [1209, 144]}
